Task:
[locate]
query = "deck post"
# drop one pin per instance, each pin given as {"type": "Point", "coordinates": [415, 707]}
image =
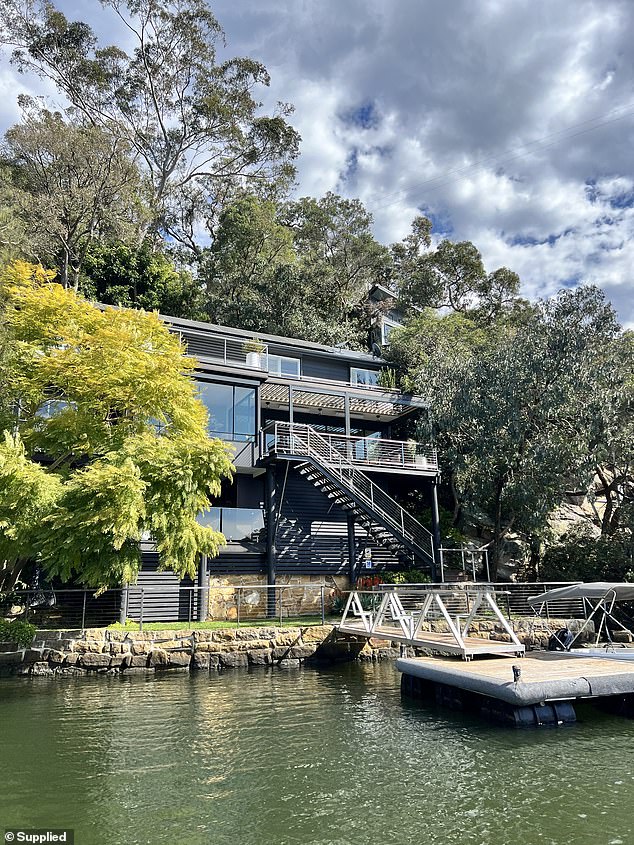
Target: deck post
{"type": "Point", "coordinates": [203, 589]}
{"type": "Point", "coordinates": [352, 550]}
{"type": "Point", "coordinates": [346, 411]}
{"type": "Point", "coordinates": [271, 526]}
{"type": "Point", "coordinates": [437, 565]}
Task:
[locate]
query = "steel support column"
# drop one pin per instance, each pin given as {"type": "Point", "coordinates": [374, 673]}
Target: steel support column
{"type": "Point", "coordinates": [437, 567]}
{"type": "Point", "coordinates": [352, 550]}
{"type": "Point", "coordinates": [271, 526]}
{"type": "Point", "coordinates": [346, 410]}
{"type": "Point", "coordinates": [203, 589]}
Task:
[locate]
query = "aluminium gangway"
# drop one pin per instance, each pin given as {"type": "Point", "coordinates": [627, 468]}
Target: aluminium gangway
{"type": "Point", "coordinates": [390, 619]}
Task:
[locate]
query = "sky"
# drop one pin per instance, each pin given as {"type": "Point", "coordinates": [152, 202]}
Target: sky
{"type": "Point", "coordinates": [509, 124]}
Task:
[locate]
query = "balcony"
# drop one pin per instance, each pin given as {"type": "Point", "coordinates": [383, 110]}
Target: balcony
{"type": "Point", "coordinates": [368, 453]}
{"type": "Point", "coordinates": [230, 352]}
{"type": "Point", "coordinates": [239, 525]}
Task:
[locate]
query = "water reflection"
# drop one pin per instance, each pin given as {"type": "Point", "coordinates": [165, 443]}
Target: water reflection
{"type": "Point", "coordinates": [310, 756]}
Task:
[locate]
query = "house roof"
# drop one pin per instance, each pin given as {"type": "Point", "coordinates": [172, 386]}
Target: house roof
{"type": "Point", "coordinates": [287, 343]}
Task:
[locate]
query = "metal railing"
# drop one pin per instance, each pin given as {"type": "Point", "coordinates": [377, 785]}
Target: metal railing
{"type": "Point", "coordinates": [298, 439]}
{"type": "Point", "coordinates": [473, 561]}
{"type": "Point", "coordinates": [139, 606]}
{"type": "Point", "coordinates": [375, 452]}
{"type": "Point", "coordinates": [511, 597]}
{"type": "Point", "coordinates": [240, 605]}
{"type": "Point", "coordinates": [236, 352]}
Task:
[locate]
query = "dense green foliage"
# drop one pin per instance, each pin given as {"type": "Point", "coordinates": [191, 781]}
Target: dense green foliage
{"type": "Point", "coordinates": [104, 439]}
{"type": "Point", "coordinates": [120, 273]}
{"type": "Point", "coordinates": [18, 632]}
{"type": "Point", "coordinates": [524, 407]}
{"type": "Point", "coordinates": [164, 186]}
{"type": "Point", "coordinates": [581, 555]}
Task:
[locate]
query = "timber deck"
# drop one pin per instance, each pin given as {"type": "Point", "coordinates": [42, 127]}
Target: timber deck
{"type": "Point", "coordinates": [434, 641]}
{"type": "Point", "coordinates": [545, 677]}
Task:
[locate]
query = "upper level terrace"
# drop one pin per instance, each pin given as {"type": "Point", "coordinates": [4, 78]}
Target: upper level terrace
{"type": "Point", "coordinates": [338, 391]}
{"type": "Point", "coordinates": [295, 374]}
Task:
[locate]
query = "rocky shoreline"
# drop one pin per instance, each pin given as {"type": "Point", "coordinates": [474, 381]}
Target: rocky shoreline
{"type": "Point", "coordinates": [109, 651]}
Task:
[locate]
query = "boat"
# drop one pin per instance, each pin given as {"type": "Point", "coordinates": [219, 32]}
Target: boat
{"type": "Point", "coordinates": [599, 599]}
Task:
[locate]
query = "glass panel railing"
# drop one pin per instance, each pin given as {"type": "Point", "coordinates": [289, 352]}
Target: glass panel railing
{"type": "Point", "coordinates": [239, 525]}
{"type": "Point", "coordinates": [210, 518]}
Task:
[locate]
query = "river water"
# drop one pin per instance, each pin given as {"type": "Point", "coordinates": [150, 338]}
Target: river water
{"type": "Point", "coordinates": [328, 756]}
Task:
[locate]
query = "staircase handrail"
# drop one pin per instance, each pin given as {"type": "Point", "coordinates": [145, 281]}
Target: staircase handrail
{"type": "Point", "coordinates": [313, 445]}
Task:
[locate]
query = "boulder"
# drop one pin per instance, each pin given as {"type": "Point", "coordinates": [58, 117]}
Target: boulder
{"type": "Point", "coordinates": [233, 659]}
{"type": "Point", "coordinates": [95, 661]}
{"type": "Point", "coordinates": [57, 657]}
{"type": "Point", "coordinates": [158, 658]}
{"type": "Point", "coordinates": [179, 659]}
{"type": "Point", "coordinates": [259, 657]}
{"type": "Point", "coordinates": [316, 633]}
{"type": "Point", "coordinates": [200, 662]}
{"type": "Point", "coordinates": [35, 655]}
{"type": "Point", "coordinates": [301, 652]}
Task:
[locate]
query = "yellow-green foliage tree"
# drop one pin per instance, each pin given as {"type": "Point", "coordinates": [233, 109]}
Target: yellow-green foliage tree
{"type": "Point", "coordinates": [104, 439]}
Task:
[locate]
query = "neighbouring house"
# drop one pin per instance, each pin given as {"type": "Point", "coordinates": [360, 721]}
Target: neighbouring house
{"type": "Point", "coordinates": [322, 451]}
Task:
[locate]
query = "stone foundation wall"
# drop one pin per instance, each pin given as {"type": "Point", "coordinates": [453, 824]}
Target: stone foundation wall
{"type": "Point", "coordinates": [111, 651]}
{"type": "Point", "coordinates": [303, 596]}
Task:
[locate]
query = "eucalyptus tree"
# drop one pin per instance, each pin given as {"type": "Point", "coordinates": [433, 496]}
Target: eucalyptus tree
{"type": "Point", "coordinates": [612, 440]}
{"type": "Point", "coordinates": [75, 185]}
{"type": "Point", "coordinates": [241, 269]}
{"type": "Point", "coordinates": [193, 122]}
{"type": "Point", "coordinates": [450, 276]}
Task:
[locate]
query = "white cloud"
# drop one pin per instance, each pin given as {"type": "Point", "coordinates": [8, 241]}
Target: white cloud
{"type": "Point", "coordinates": [459, 95]}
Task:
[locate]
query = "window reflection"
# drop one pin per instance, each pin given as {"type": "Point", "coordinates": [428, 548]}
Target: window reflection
{"type": "Point", "coordinates": [239, 525]}
{"type": "Point", "coordinates": [231, 410]}
{"type": "Point", "coordinates": [364, 378]}
{"type": "Point", "coordinates": [281, 365]}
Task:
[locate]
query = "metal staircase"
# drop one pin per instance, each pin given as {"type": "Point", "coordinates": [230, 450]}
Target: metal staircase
{"type": "Point", "coordinates": [340, 480]}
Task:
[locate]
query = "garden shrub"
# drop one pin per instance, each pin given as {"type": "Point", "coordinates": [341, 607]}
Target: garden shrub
{"type": "Point", "coordinates": [17, 632]}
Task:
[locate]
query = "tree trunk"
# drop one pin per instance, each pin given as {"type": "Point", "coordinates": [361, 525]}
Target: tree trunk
{"type": "Point", "coordinates": [11, 574]}
{"type": "Point", "coordinates": [498, 532]}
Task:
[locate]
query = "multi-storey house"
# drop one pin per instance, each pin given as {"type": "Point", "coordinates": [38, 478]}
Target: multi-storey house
{"type": "Point", "coordinates": [323, 461]}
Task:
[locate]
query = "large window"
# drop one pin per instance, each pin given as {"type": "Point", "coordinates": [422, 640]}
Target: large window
{"type": "Point", "coordinates": [387, 327]}
{"type": "Point", "coordinates": [231, 410]}
{"type": "Point", "coordinates": [280, 365]}
{"type": "Point", "coordinates": [364, 378]}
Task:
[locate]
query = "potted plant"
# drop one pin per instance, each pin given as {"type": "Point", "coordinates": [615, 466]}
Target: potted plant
{"type": "Point", "coordinates": [254, 349]}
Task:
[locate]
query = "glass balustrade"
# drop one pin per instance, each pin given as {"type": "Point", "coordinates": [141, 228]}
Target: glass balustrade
{"type": "Point", "coordinates": [239, 525]}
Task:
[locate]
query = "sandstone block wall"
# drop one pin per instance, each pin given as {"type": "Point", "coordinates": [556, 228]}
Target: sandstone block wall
{"type": "Point", "coordinates": [118, 651]}
{"type": "Point", "coordinates": [301, 597]}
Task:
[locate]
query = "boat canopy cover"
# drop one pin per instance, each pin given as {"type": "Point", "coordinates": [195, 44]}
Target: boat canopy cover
{"type": "Point", "coordinates": [595, 590]}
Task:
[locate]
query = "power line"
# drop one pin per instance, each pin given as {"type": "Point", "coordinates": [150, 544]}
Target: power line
{"type": "Point", "coordinates": [543, 143]}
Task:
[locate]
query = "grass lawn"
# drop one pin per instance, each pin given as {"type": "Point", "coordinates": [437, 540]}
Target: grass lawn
{"type": "Point", "coordinates": [297, 622]}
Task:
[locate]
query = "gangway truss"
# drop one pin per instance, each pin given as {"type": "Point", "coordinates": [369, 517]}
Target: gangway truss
{"type": "Point", "coordinates": [390, 619]}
